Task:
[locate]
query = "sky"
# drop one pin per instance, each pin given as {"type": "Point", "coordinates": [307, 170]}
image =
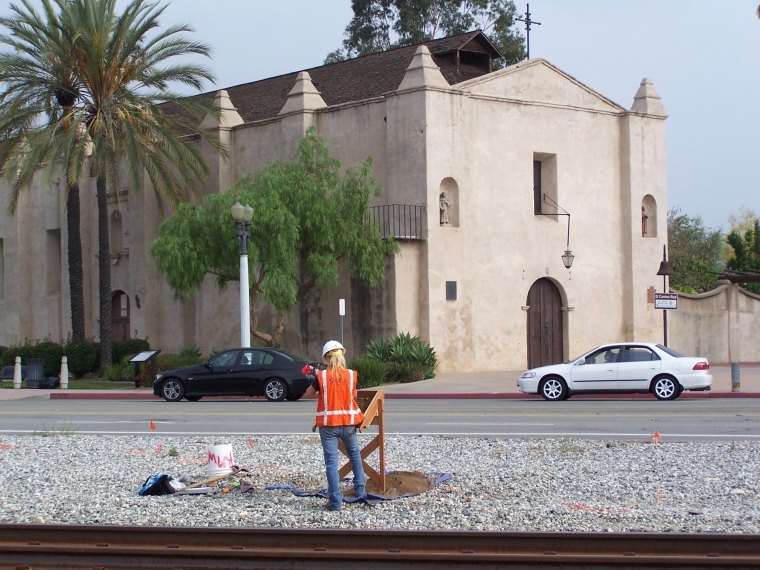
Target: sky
{"type": "Point", "coordinates": [703, 57]}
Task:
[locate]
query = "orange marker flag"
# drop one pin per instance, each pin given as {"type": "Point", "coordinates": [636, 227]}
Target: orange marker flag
{"type": "Point", "coordinates": [656, 437]}
{"type": "Point", "coordinates": [152, 426]}
{"type": "Point", "coordinates": [251, 444]}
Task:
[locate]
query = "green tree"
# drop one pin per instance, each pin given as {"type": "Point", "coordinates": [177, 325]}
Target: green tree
{"type": "Point", "coordinates": [743, 220]}
{"type": "Point", "coordinates": [37, 83]}
{"type": "Point", "coordinates": [695, 252]}
{"type": "Point", "coordinates": [745, 252]}
{"type": "Point", "coordinates": [309, 216]}
{"type": "Point", "coordinates": [379, 25]}
{"type": "Point", "coordinates": [124, 114]}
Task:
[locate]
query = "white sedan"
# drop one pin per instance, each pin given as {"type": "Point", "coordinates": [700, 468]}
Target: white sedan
{"type": "Point", "coordinates": [620, 367]}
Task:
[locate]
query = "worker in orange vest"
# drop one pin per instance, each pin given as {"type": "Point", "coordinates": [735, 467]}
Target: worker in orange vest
{"type": "Point", "coordinates": [338, 414]}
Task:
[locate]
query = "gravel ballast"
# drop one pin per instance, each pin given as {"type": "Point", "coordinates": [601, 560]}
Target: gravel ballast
{"type": "Point", "coordinates": [497, 484]}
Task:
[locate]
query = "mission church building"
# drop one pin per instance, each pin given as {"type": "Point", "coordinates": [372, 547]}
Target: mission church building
{"type": "Point", "coordinates": [493, 182]}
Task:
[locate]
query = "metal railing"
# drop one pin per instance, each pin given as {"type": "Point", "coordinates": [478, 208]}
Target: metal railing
{"type": "Point", "coordinates": [400, 221]}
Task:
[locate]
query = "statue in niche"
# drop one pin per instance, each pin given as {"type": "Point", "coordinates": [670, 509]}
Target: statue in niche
{"type": "Point", "coordinates": [644, 222]}
{"type": "Point", "coordinates": [443, 204]}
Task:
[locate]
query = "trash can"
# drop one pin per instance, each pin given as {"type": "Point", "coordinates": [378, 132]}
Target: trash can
{"type": "Point", "coordinates": [34, 372]}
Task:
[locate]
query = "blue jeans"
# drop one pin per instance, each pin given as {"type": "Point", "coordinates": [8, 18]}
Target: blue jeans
{"type": "Point", "coordinates": [330, 435]}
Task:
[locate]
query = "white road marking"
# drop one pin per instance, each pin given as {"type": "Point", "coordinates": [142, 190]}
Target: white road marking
{"type": "Point", "coordinates": [487, 424]}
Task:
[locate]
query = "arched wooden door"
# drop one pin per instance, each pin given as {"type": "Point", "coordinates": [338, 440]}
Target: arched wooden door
{"type": "Point", "coordinates": [545, 324]}
{"type": "Point", "coordinates": [119, 316]}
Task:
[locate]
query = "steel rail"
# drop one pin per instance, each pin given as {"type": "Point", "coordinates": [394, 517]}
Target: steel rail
{"type": "Point", "coordinates": [33, 546]}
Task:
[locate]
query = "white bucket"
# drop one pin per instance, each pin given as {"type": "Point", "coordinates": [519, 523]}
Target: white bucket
{"type": "Point", "coordinates": [220, 460]}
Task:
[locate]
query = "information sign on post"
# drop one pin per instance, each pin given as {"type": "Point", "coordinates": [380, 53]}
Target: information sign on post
{"type": "Point", "coordinates": [665, 301]}
{"type": "Point", "coordinates": [149, 356]}
{"type": "Point", "coordinates": [341, 313]}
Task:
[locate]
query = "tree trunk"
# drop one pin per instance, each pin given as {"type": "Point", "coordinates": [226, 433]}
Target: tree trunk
{"type": "Point", "coordinates": [254, 306]}
{"type": "Point", "coordinates": [104, 268]}
{"type": "Point", "coordinates": [76, 274]}
{"type": "Point", "coordinates": [279, 329]}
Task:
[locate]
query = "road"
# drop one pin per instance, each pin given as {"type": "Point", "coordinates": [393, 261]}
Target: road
{"type": "Point", "coordinates": [680, 420]}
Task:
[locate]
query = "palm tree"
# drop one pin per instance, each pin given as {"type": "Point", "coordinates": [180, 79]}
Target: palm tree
{"type": "Point", "coordinates": [126, 114]}
{"type": "Point", "coordinates": [39, 87]}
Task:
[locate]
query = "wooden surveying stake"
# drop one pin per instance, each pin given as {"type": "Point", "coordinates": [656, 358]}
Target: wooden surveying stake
{"type": "Point", "coordinates": [371, 404]}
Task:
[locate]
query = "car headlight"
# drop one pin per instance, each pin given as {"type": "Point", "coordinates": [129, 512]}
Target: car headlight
{"type": "Point", "coordinates": [528, 374]}
{"type": "Point", "coordinates": [158, 377]}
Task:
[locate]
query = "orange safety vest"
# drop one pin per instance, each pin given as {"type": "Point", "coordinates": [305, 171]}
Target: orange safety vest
{"type": "Point", "coordinates": [336, 403]}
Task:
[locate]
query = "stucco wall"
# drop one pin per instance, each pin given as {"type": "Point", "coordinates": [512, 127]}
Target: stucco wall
{"type": "Point", "coordinates": [722, 325]}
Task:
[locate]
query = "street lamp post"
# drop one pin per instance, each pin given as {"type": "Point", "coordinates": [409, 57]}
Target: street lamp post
{"type": "Point", "coordinates": [243, 216]}
{"type": "Point", "coordinates": [666, 269]}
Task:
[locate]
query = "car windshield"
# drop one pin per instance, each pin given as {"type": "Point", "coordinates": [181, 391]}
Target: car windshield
{"type": "Point", "coordinates": [581, 355]}
{"type": "Point", "coordinates": [669, 351]}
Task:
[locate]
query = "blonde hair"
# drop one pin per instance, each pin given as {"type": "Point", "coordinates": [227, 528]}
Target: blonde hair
{"type": "Point", "coordinates": [335, 359]}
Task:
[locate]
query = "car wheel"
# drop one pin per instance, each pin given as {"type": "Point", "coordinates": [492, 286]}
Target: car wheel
{"type": "Point", "coordinates": [666, 388]}
{"type": "Point", "coordinates": [275, 390]}
{"type": "Point", "coordinates": [172, 390]}
{"type": "Point", "coordinates": [553, 388]}
{"type": "Point", "coordinates": [193, 398]}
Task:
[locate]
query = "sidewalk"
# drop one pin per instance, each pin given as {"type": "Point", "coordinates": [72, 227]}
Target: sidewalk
{"type": "Point", "coordinates": [460, 385]}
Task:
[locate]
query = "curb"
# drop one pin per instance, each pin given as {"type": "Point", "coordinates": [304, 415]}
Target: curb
{"type": "Point", "coordinates": [398, 396]}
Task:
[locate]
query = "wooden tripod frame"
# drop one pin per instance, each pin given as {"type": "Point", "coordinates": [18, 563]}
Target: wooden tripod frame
{"type": "Point", "coordinates": [371, 404]}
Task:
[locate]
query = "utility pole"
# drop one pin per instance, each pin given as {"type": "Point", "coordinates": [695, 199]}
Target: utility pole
{"type": "Point", "coordinates": [528, 23]}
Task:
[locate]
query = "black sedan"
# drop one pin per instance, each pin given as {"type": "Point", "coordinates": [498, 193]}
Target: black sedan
{"type": "Point", "coordinates": [269, 372]}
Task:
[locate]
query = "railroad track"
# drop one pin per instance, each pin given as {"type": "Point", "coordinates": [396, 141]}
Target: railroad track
{"type": "Point", "coordinates": [40, 546]}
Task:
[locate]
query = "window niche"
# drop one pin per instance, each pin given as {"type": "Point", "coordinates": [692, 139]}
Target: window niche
{"type": "Point", "coordinates": [451, 290]}
{"type": "Point", "coordinates": [2, 269]}
{"type": "Point", "coordinates": [648, 216]}
{"type": "Point", "coordinates": [544, 183]}
{"type": "Point", "coordinates": [53, 265]}
{"type": "Point", "coordinates": [448, 203]}
{"type": "Point", "coordinates": [116, 235]}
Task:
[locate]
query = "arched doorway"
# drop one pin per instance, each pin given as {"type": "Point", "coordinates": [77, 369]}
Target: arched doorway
{"type": "Point", "coordinates": [119, 316]}
{"type": "Point", "coordinates": [545, 324]}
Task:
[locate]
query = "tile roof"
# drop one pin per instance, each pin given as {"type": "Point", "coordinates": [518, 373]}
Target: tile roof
{"type": "Point", "coordinates": [460, 57]}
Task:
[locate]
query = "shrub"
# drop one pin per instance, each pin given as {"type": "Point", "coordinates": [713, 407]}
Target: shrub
{"type": "Point", "coordinates": [406, 371]}
{"type": "Point", "coordinates": [23, 350]}
{"type": "Point", "coordinates": [169, 361]}
{"type": "Point", "coordinates": [128, 348]}
{"type": "Point", "coordinates": [82, 355]}
{"type": "Point", "coordinates": [190, 352]}
{"type": "Point", "coordinates": [122, 371]}
{"type": "Point", "coordinates": [409, 358]}
{"type": "Point", "coordinates": [371, 372]}
{"type": "Point", "coordinates": [378, 349]}
{"type": "Point", "coordinates": [51, 353]}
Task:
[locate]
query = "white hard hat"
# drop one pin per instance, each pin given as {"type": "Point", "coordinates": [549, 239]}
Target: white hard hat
{"type": "Point", "coordinates": [331, 345]}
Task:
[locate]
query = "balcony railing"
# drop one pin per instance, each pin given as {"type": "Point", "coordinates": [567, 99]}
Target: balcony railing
{"type": "Point", "coordinates": [400, 221]}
